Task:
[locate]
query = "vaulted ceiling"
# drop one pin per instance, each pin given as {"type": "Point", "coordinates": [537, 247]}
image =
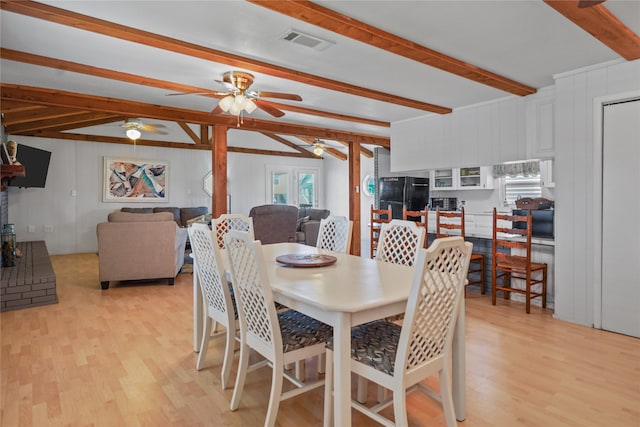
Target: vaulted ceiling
{"type": "Point", "coordinates": [78, 70]}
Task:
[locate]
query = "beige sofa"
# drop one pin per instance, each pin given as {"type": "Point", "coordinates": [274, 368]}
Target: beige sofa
{"type": "Point", "coordinates": [136, 246]}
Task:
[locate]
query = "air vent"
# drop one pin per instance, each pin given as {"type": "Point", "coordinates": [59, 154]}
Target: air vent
{"type": "Point", "coordinates": [307, 40]}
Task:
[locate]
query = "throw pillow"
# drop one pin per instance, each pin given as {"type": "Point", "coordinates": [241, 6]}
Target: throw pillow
{"type": "Point", "coordinates": [300, 222]}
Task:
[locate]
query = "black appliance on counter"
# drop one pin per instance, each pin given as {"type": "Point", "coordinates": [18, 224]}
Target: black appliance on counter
{"type": "Point", "coordinates": [444, 203]}
{"type": "Point", "coordinates": [403, 191]}
{"type": "Point", "coordinates": [542, 222]}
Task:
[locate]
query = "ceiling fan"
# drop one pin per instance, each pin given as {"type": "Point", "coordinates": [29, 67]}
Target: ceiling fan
{"type": "Point", "coordinates": [239, 98]}
{"type": "Point", "coordinates": [135, 127]}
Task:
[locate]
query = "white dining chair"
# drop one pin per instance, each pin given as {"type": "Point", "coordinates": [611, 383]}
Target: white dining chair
{"type": "Point", "coordinates": [282, 338]}
{"type": "Point", "coordinates": [398, 357]}
{"type": "Point", "coordinates": [227, 222]}
{"type": "Point", "coordinates": [399, 242]}
{"type": "Point", "coordinates": [220, 307]}
{"type": "Point", "coordinates": [335, 234]}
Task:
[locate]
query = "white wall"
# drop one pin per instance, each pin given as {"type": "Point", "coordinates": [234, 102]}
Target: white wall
{"type": "Point", "coordinates": [78, 166]}
{"type": "Point", "coordinates": [577, 203]}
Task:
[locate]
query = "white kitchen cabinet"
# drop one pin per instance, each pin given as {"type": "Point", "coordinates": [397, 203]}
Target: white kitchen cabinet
{"type": "Point", "coordinates": [546, 174]}
{"type": "Point", "coordinates": [444, 179]}
{"type": "Point", "coordinates": [475, 178]}
{"type": "Point", "coordinates": [468, 178]}
{"type": "Point", "coordinates": [539, 117]}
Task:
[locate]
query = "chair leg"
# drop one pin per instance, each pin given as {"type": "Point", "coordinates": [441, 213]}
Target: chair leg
{"type": "Point", "coordinates": [482, 290]}
{"type": "Point", "coordinates": [528, 295]}
{"type": "Point", "coordinates": [241, 377]}
{"type": "Point", "coordinates": [276, 392]}
{"type": "Point", "coordinates": [544, 287]}
{"type": "Point", "coordinates": [506, 284]}
{"type": "Point", "coordinates": [321, 363]}
{"type": "Point", "coordinates": [328, 390]}
{"type": "Point", "coordinates": [228, 355]}
{"type": "Point", "coordinates": [300, 370]}
{"type": "Point", "coordinates": [494, 280]}
{"type": "Point", "coordinates": [363, 389]}
{"type": "Point", "coordinates": [204, 343]}
{"type": "Point", "coordinates": [447, 398]}
{"type": "Point", "coordinates": [400, 407]}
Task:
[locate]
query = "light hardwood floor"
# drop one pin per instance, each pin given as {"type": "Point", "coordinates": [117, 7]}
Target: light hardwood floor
{"type": "Point", "coordinates": [123, 357]}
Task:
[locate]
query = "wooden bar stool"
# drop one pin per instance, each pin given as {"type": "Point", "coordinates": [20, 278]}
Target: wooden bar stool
{"type": "Point", "coordinates": [507, 266]}
{"type": "Point", "coordinates": [378, 217]}
{"type": "Point", "coordinates": [423, 222]}
{"type": "Point", "coordinates": [455, 221]}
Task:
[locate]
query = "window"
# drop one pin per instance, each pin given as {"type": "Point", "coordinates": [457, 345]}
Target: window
{"type": "Point", "coordinates": [521, 186]}
{"type": "Point", "coordinates": [287, 185]}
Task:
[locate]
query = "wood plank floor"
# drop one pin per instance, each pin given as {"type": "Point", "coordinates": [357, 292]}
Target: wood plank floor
{"type": "Point", "coordinates": [123, 357]}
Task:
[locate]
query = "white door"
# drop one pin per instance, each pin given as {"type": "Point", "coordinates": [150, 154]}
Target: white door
{"type": "Point", "coordinates": [621, 218]}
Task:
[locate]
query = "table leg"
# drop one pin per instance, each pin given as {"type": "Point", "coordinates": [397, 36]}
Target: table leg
{"type": "Point", "coordinates": [459, 367]}
{"type": "Point", "coordinates": [342, 370]}
{"type": "Point", "coordinates": [198, 301]}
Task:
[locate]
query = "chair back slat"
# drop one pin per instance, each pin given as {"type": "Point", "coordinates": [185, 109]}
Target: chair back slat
{"type": "Point", "coordinates": [256, 308]}
{"type": "Point", "coordinates": [227, 222]}
{"type": "Point", "coordinates": [377, 218]}
{"type": "Point", "coordinates": [335, 234]}
{"type": "Point", "coordinates": [399, 242]}
{"type": "Point", "coordinates": [434, 302]}
{"type": "Point", "coordinates": [449, 220]}
{"type": "Point", "coordinates": [423, 215]}
{"type": "Point", "coordinates": [210, 273]}
{"type": "Point", "coordinates": [503, 239]}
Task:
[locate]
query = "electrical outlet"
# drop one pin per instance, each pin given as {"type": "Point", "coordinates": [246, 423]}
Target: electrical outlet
{"type": "Point", "coordinates": [74, 193]}
{"type": "Point", "coordinates": [31, 228]}
{"type": "Point", "coordinates": [48, 228]}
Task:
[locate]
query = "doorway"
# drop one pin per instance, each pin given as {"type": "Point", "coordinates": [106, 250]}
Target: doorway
{"type": "Point", "coordinates": [620, 291]}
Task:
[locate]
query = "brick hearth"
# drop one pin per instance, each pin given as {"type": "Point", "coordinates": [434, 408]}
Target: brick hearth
{"type": "Point", "coordinates": [31, 282]}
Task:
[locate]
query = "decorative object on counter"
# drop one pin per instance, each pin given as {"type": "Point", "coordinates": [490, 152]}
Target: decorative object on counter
{"type": "Point", "coordinates": [12, 151]}
{"type": "Point", "coordinates": [9, 245]}
{"type": "Point", "coordinates": [538, 203]}
{"type": "Point", "coordinates": [514, 169]}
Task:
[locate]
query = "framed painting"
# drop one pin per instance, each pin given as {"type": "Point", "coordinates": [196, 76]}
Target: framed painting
{"type": "Point", "coordinates": [135, 180]}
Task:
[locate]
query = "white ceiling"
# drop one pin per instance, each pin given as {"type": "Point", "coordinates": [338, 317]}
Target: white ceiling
{"type": "Point", "coordinates": [526, 41]}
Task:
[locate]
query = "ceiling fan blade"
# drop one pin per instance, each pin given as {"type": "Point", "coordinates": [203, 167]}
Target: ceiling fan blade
{"type": "Point", "coordinates": [195, 92]}
{"type": "Point", "coordinates": [268, 108]}
{"type": "Point", "coordinates": [280, 95]}
{"type": "Point", "coordinates": [157, 128]}
{"type": "Point", "coordinates": [588, 3]}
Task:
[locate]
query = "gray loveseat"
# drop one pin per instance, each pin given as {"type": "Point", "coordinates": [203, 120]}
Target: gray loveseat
{"type": "Point", "coordinates": [285, 223]}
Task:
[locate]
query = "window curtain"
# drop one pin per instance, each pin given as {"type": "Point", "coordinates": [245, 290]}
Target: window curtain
{"type": "Point", "coordinates": [516, 169]}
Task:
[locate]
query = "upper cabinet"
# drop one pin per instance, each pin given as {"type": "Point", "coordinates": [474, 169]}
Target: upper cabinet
{"type": "Point", "coordinates": [540, 123]}
{"type": "Point", "coordinates": [468, 178]}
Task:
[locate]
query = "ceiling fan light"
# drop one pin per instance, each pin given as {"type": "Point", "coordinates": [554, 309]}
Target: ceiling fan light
{"type": "Point", "coordinates": [226, 103]}
{"type": "Point", "coordinates": [235, 109]}
{"type": "Point", "coordinates": [240, 101]}
{"type": "Point", "coordinates": [133, 134]}
{"type": "Point", "coordinates": [250, 106]}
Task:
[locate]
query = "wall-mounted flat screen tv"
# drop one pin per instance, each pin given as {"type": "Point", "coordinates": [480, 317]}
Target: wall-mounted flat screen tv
{"type": "Point", "coordinates": [36, 166]}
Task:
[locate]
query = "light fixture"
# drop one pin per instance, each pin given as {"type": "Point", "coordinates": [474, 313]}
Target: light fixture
{"type": "Point", "coordinates": [318, 147]}
{"type": "Point", "coordinates": [133, 133]}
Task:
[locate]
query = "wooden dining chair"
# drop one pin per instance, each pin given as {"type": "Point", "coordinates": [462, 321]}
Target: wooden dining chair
{"type": "Point", "coordinates": [399, 357]}
{"type": "Point", "coordinates": [454, 220]}
{"type": "Point", "coordinates": [220, 307]}
{"type": "Point", "coordinates": [423, 221]}
{"type": "Point", "coordinates": [512, 260]}
{"type": "Point", "coordinates": [335, 234]}
{"type": "Point", "coordinates": [282, 338]}
{"type": "Point", "coordinates": [377, 218]}
{"type": "Point", "coordinates": [399, 242]}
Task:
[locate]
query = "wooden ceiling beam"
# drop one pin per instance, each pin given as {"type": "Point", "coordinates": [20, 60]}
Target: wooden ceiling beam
{"type": "Point", "coordinates": [290, 144]}
{"type": "Point", "coordinates": [88, 23]}
{"type": "Point", "coordinates": [365, 152]}
{"type": "Point", "coordinates": [42, 96]}
{"type": "Point", "coordinates": [11, 107]}
{"type": "Point", "coordinates": [185, 127]}
{"type": "Point", "coordinates": [328, 19]}
{"type": "Point", "coordinates": [41, 113]}
{"type": "Point", "coordinates": [601, 24]}
{"type": "Point", "coordinates": [80, 119]}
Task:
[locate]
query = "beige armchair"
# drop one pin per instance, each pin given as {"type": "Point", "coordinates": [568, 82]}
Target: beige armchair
{"type": "Point", "coordinates": [133, 246]}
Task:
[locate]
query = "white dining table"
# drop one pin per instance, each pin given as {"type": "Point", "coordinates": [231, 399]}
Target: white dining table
{"type": "Point", "coordinates": [352, 291]}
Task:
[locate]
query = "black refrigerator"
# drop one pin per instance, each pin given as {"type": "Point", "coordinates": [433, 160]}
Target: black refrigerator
{"type": "Point", "coordinates": [403, 191]}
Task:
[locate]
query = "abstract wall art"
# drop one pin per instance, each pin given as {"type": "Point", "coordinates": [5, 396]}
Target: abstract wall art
{"type": "Point", "coordinates": [135, 180]}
